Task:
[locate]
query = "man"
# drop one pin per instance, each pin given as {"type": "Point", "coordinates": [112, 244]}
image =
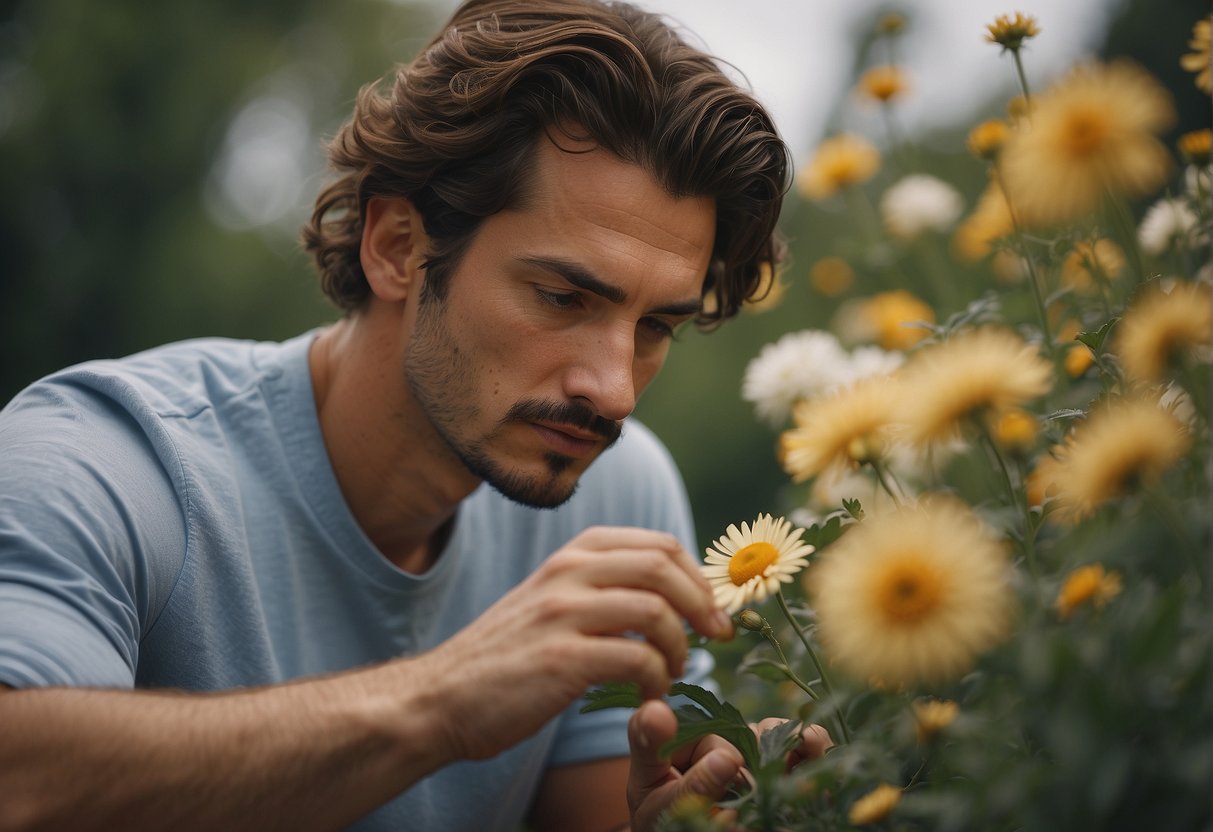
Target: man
{"type": "Point", "coordinates": [261, 585]}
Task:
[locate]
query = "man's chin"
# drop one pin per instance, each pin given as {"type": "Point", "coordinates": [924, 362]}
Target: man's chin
{"type": "Point", "coordinates": [528, 492]}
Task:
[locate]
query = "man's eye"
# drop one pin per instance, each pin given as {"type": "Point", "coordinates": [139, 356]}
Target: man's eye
{"type": "Point", "coordinates": [561, 300]}
{"type": "Point", "coordinates": [658, 328]}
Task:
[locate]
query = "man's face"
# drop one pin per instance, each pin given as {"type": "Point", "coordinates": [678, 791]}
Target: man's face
{"type": "Point", "coordinates": [558, 316]}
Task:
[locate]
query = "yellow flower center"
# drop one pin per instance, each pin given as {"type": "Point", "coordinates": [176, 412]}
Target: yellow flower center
{"type": "Point", "coordinates": [752, 562]}
{"type": "Point", "coordinates": [909, 590]}
{"type": "Point", "coordinates": [1085, 134]}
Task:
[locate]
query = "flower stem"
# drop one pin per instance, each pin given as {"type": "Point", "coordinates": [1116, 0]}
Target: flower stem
{"type": "Point", "coordinates": [882, 477]}
{"type": "Point", "coordinates": [821, 673]}
{"type": "Point", "coordinates": [769, 634]}
{"type": "Point", "coordinates": [1018, 499]}
{"type": "Point", "coordinates": [1124, 224]}
{"type": "Point", "coordinates": [1023, 79]}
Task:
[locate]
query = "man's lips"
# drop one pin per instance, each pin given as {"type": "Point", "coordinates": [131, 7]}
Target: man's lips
{"type": "Point", "coordinates": [567, 439]}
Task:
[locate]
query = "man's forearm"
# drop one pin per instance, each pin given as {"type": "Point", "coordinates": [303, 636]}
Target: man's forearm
{"type": "Point", "coordinates": [309, 755]}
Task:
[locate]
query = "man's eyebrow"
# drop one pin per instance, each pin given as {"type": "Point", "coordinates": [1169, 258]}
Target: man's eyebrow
{"type": "Point", "coordinates": [583, 278]}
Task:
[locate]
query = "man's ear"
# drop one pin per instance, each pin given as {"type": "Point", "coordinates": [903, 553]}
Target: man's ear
{"type": "Point", "coordinates": [394, 247]}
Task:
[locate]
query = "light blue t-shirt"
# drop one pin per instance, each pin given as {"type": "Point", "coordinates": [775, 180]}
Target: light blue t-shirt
{"type": "Point", "coordinates": [171, 519]}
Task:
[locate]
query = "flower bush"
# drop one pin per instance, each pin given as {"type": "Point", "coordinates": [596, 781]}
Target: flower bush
{"type": "Point", "coordinates": [998, 595]}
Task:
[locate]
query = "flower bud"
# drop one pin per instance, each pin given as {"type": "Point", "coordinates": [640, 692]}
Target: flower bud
{"type": "Point", "coordinates": [752, 621]}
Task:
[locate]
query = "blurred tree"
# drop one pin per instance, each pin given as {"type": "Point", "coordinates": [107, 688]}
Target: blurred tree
{"type": "Point", "coordinates": [129, 218]}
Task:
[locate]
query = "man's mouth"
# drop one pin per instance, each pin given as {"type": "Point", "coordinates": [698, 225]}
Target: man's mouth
{"type": "Point", "coordinates": [568, 440]}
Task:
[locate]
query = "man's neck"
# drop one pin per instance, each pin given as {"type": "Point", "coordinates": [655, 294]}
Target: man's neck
{"type": "Point", "coordinates": [401, 483]}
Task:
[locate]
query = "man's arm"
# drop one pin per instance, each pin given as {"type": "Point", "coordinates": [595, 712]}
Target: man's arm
{"type": "Point", "coordinates": [319, 753]}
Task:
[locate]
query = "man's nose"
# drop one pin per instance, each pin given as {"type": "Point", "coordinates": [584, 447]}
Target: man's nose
{"type": "Point", "coordinates": [603, 374]}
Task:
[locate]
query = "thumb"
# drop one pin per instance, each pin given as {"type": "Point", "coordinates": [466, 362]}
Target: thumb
{"type": "Point", "coordinates": [651, 726]}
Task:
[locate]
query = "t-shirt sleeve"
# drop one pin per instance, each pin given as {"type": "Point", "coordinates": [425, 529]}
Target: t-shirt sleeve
{"type": "Point", "coordinates": [85, 504]}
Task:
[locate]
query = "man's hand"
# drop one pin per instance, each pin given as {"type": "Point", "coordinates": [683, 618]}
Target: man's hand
{"type": "Point", "coordinates": [706, 767]}
{"type": "Point", "coordinates": [535, 651]}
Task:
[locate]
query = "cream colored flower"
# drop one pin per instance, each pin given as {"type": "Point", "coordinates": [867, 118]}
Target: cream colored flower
{"type": "Point", "coordinates": [1091, 133]}
{"type": "Point", "coordinates": [990, 221]}
{"type": "Point", "coordinates": [751, 562]}
{"type": "Point", "coordinates": [913, 595]}
{"type": "Point", "coordinates": [971, 376]}
{"type": "Point", "coordinates": [874, 806]}
{"type": "Point", "coordinates": [1122, 444]}
{"type": "Point", "coordinates": [1198, 61]}
{"type": "Point", "coordinates": [1010, 31]}
{"type": "Point", "coordinates": [847, 428]}
{"type": "Point", "coordinates": [920, 203]}
{"type": "Point", "coordinates": [800, 365]}
{"type": "Point", "coordinates": [1169, 222]}
{"type": "Point", "coordinates": [840, 162]}
{"type": "Point", "coordinates": [884, 83]}
{"type": "Point", "coordinates": [1160, 328]}
{"type": "Point", "coordinates": [1087, 584]}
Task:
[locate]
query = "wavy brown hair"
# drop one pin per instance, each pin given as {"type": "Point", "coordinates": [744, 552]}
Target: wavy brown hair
{"type": "Point", "coordinates": [457, 132]}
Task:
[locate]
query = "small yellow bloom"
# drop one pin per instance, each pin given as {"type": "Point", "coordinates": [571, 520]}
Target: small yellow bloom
{"type": "Point", "coordinates": [1079, 359]}
{"type": "Point", "coordinates": [912, 595]}
{"type": "Point", "coordinates": [1010, 31]}
{"type": "Point", "coordinates": [1123, 444]}
{"type": "Point", "coordinates": [751, 562]}
{"type": "Point", "coordinates": [1016, 430]}
{"type": "Point", "coordinates": [840, 162]}
{"type": "Point", "coordinates": [932, 716]}
{"type": "Point", "coordinates": [1008, 267]}
{"type": "Point", "coordinates": [990, 221]}
{"type": "Point", "coordinates": [849, 427]}
{"type": "Point", "coordinates": [1092, 133]}
{"type": "Point", "coordinates": [987, 138]}
{"type": "Point", "coordinates": [1018, 108]}
{"type": "Point", "coordinates": [890, 24]}
{"type": "Point", "coordinates": [1160, 328]}
{"type": "Point", "coordinates": [884, 83]}
{"type": "Point", "coordinates": [973, 374]}
{"type": "Point", "coordinates": [1198, 61]}
{"type": "Point", "coordinates": [874, 806]}
{"type": "Point", "coordinates": [831, 276]}
{"type": "Point", "coordinates": [1090, 265]}
{"type": "Point", "coordinates": [1087, 584]}
{"type": "Point", "coordinates": [1196, 147]}
{"type": "Point", "coordinates": [886, 318]}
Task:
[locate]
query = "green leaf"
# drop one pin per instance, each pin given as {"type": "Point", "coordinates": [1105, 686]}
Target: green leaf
{"type": "Point", "coordinates": [820, 535]}
{"type": "Point", "coordinates": [1066, 414]}
{"type": "Point", "coordinates": [1095, 340]}
{"type": "Point", "coordinates": [612, 695]}
{"type": "Point", "coordinates": [774, 744]}
{"type": "Point", "coordinates": [853, 508]}
{"type": "Point", "coordinates": [711, 717]}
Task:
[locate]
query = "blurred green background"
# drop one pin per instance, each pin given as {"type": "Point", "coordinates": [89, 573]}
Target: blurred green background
{"type": "Point", "coordinates": [125, 127]}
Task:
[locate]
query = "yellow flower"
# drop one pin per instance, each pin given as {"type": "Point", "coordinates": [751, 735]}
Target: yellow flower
{"type": "Point", "coordinates": [1196, 147]}
{"type": "Point", "coordinates": [1091, 133]}
{"type": "Point", "coordinates": [831, 276]}
{"type": "Point", "coordinates": [912, 595]}
{"type": "Point", "coordinates": [874, 806]}
{"type": "Point", "coordinates": [1087, 584]}
{"type": "Point", "coordinates": [840, 162]}
{"type": "Point", "coordinates": [1008, 267]}
{"type": "Point", "coordinates": [990, 221]}
{"type": "Point", "coordinates": [1079, 359]}
{"type": "Point", "coordinates": [932, 716]}
{"type": "Point", "coordinates": [1198, 61]}
{"type": "Point", "coordinates": [1010, 32]}
{"type": "Point", "coordinates": [890, 23]}
{"type": "Point", "coordinates": [1125, 443]}
{"type": "Point", "coordinates": [751, 562]}
{"type": "Point", "coordinates": [884, 83]}
{"type": "Point", "coordinates": [987, 138]}
{"type": "Point", "coordinates": [1018, 108]}
{"type": "Point", "coordinates": [969, 376]}
{"type": "Point", "coordinates": [885, 318]}
{"type": "Point", "coordinates": [1160, 328]}
{"type": "Point", "coordinates": [1091, 265]}
{"type": "Point", "coordinates": [1016, 430]}
{"type": "Point", "coordinates": [770, 292]}
{"type": "Point", "coordinates": [848, 427]}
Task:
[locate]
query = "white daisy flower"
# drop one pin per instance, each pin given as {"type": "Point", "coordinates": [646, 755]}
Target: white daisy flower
{"type": "Point", "coordinates": [920, 203]}
{"type": "Point", "coordinates": [800, 365]}
{"type": "Point", "coordinates": [1167, 221]}
{"type": "Point", "coordinates": [751, 562]}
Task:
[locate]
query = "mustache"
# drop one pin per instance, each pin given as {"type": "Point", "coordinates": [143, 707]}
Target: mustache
{"type": "Point", "coordinates": [573, 414]}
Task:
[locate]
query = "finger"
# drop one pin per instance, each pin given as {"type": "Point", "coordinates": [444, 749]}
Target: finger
{"type": "Point", "coordinates": [657, 571]}
{"type": "Point", "coordinates": [618, 611]}
{"type": "Point", "coordinates": [651, 726]}
{"type": "Point", "coordinates": [814, 742]}
{"type": "Point", "coordinates": [618, 660]}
